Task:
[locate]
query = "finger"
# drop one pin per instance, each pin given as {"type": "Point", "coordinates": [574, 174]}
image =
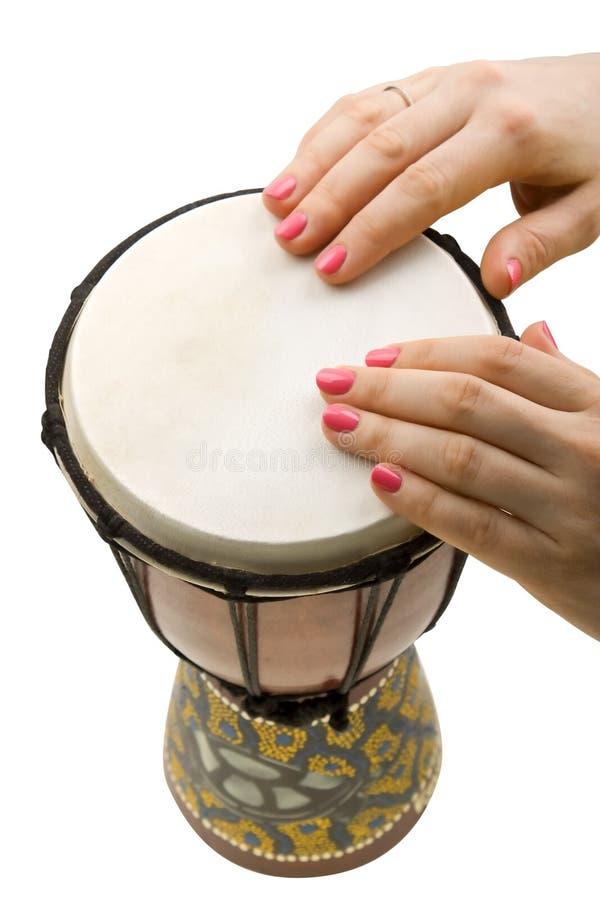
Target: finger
{"type": "Point", "coordinates": [455, 402]}
{"type": "Point", "coordinates": [456, 462]}
{"type": "Point", "coordinates": [370, 165]}
{"type": "Point", "coordinates": [490, 535]}
{"type": "Point", "coordinates": [550, 381]}
{"type": "Point", "coordinates": [443, 180]}
{"type": "Point", "coordinates": [355, 118]}
{"type": "Point", "coordinates": [423, 82]}
{"type": "Point", "coordinates": [348, 121]}
{"type": "Point", "coordinates": [532, 243]}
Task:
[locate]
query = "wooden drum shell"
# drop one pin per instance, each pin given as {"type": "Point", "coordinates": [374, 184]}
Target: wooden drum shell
{"type": "Point", "coordinates": [304, 643]}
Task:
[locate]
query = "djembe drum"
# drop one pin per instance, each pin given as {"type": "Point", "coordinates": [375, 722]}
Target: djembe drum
{"type": "Point", "coordinates": [301, 738]}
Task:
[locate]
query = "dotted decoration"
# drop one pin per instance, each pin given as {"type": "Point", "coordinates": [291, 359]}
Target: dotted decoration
{"type": "Point", "coordinates": [306, 794]}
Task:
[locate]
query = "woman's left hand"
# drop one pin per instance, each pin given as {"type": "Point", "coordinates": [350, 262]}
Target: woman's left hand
{"type": "Point", "coordinates": [490, 444]}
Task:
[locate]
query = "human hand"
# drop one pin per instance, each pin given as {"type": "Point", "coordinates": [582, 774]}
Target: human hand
{"type": "Point", "coordinates": [372, 174]}
{"type": "Point", "coordinates": [490, 444]}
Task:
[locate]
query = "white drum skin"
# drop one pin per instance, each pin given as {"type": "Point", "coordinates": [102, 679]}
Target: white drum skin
{"type": "Point", "coordinates": [189, 392]}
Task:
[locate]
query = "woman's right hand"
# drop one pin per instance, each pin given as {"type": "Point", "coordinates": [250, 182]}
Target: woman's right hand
{"type": "Point", "coordinates": [372, 173]}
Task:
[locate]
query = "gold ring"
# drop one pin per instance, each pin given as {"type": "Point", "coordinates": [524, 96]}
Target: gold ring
{"type": "Point", "coordinates": [404, 94]}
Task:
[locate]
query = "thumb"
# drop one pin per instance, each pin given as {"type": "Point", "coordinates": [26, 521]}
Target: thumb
{"type": "Point", "coordinates": [536, 240]}
{"type": "Point", "coordinates": [538, 335]}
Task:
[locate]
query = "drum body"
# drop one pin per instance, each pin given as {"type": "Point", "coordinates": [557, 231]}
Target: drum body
{"type": "Point", "coordinates": [301, 738]}
{"type": "Point", "coordinates": [304, 644]}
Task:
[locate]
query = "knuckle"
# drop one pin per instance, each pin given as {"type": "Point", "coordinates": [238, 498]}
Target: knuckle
{"type": "Point", "coordinates": [484, 530]}
{"type": "Point", "coordinates": [428, 355]}
{"type": "Point", "coordinates": [387, 142]}
{"type": "Point", "coordinates": [329, 204]}
{"type": "Point", "coordinates": [425, 182]}
{"type": "Point", "coordinates": [507, 356]}
{"type": "Point", "coordinates": [463, 394]}
{"type": "Point", "coordinates": [485, 73]}
{"type": "Point", "coordinates": [461, 458]}
{"type": "Point", "coordinates": [576, 436]}
{"type": "Point", "coordinates": [366, 112]}
{"type": "Point", "coordinates": [371, 229]}
{"type": "Point", "coordinates": [432, 72]}
{"type": "Point", "coordinates": [307, 138]}
{"type": "Point", "coordinates": [584, 445]}
{"type": "Point", "coordinates": [315, 160]}
{"type": "Point", "coordinates": [539, 247]}
{"type": "Point", "coordinates": [381, 439]}
{"type": "Point", "coordinates": [427, 508]}
{"type": "Point", "coordinates": [516, 119]}
{"type": "Point", "coordinates": [378, 389]}
{"type": "Point", "coordinates": [340, 105]}
{"type": "Point", "coordinates": [586, 222]}
{"type": "Point", "coordinates": [345, 102]}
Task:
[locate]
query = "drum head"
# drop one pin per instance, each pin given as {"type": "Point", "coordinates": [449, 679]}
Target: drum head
{"type": "Point", "coordinates": [189, 387]}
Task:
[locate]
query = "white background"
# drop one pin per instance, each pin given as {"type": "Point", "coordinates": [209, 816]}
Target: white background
{"type": "Point", "coordinates": [114, 114]}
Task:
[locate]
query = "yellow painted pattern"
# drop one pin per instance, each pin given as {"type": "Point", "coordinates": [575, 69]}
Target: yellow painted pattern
{"type": "Point", "coordinates": [246, 834]}
{"type": "Point", "coordinates": [223, 721]}
{"type": "Point", "coordinates": [411, 707]}
{"type": "Point", "coordinates": [372, 820]}
{"type": "Point", "coordinates": [421, 798]}
{"type": "Point", "coordinates": [189, 714]}
{"type": "Point", "coordinates": [176, 767]}
{"type": "Point", "coordinates": [311, 836]}
{"type": "Point", "coordinates": [428, 716]}
{"type": "Point", "coordinates": [392, 692]}
{"type": "Point", "coordinates": [209, 800]}
{"type": "Point", "coordinates": [330, 765]}
{"type": "Point", "coordinates": [191, 682]}
{"type": "Point", "coordinates": [279, 741]}
{"type": "Point", "coordinates": [427, 757]}
{"type": "Point", "coordinates": [400, 777]}
{"type": "Point", "coordinates": [381, 747]}
{"type": "Point", "coordinates": [349, 737]}
{"type": "Point", "coordinates": [191, 799]}
{"type": "Point", "coordinates": [177, 739]}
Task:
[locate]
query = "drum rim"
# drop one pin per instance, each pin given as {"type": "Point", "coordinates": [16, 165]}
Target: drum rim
{"type": "Point", "coordinates": [120, 533]}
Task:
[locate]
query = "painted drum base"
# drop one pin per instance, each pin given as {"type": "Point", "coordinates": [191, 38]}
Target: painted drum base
{"type": "Point", "coordinates": [302, 801]}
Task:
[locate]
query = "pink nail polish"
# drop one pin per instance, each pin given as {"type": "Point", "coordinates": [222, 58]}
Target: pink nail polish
{"type": "Point", "coordinates": [548, 334]}
{"type": "Point", "coordinates": [292, 226]}
{"type": "Point", "coordinates": [281, 188]}
{"type": "Point", "coordinates": [330, 261]}
{"type": "Point", "coordinates": [335, 381]}
{"type": "Point", "coordinates": [386, 478]}
{"type": "Point", "coordinates": [339, 418]}
{"type": "Point", "coordinates": [385, 357]}
{"type": "Point", "coordinates": [513, 267]}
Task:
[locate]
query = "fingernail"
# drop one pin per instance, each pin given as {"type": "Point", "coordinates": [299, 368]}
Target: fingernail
{"type": "Point", "coordinates": [330, 261]}
{"type": "Point", "coordinates": [292, 226]}
{"type": "Point", "coordinates": [548, 333]}
{"type": "Point", "coordinates": [335, 381]}
{"type": "Point", "coordinates": [339, 418]}
{"type": "Point", "coordinates": [385, 357]}
{"type": "Point", "coordinates": [281, 188]}
{"type": "Point", "coordinates": [386, 478]}
{"type": "Point", "coordinates": [513, 267]}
